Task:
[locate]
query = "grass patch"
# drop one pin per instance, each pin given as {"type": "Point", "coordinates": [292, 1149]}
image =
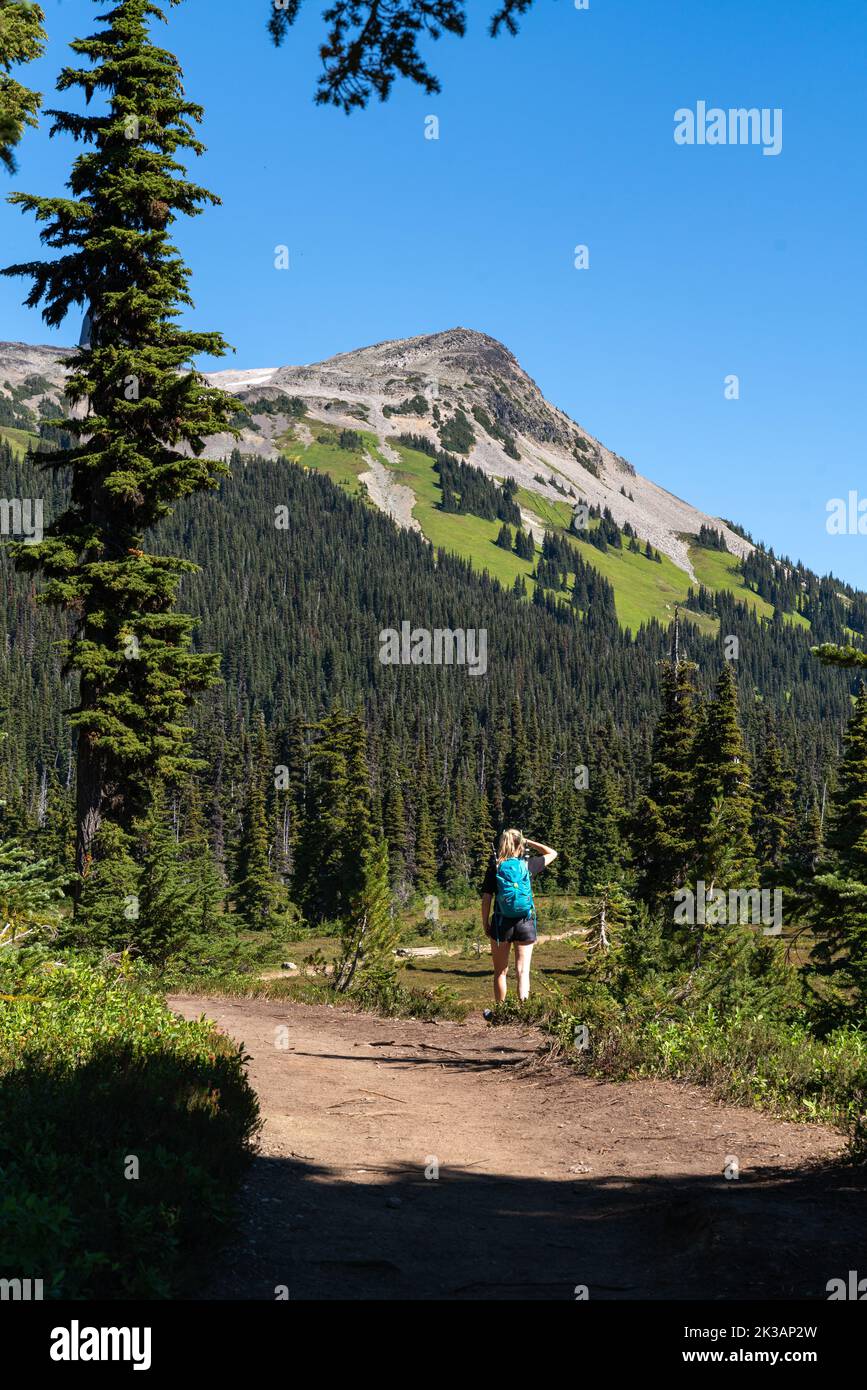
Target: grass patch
{"type": "Point", "coordinates": [460, 533]}
{"type": "Point", "coordinates": [343, 466]}
{"type": "Point", "coordinates": [389, 999]}
{"type": "Point", "coordinates": [20, 441]}
{"type": "Point", "coordinates": [717, 570]}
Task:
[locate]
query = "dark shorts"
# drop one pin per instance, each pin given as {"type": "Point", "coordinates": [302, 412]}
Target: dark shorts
{"type": "Point", "coordinates": [521, 929]}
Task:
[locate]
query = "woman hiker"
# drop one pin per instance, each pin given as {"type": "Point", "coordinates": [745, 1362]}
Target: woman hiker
{"type": "Point", "coordinates": [507, 888]}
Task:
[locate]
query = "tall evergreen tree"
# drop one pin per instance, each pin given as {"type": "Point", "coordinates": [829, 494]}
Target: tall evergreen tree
{"type": "Point", "coordinates": [484, 838]}
{"type": "Point", "coordinates": [424, 859]}
{"type": "Point", "coordinates": [208, 888]}
{"type": "Point", "coordinates": [807, 843]}
{"type": "Point", "coordinates": [370, 931]}
{"type": "Point", "coordinates": [773, 808]}
{"type": "Point", "coordinates": [137, 448]}
{"type": "Point", "coordinates": [167, 915]}
{"type": "Point", "coordinates": [519, 799]}
{"type": "Point", "coordinates": [838, 895]}
{"type": "Point", "coordinates": [394, 820]}
{"type": "Point", "coordinates": [335, 838]}
{"type": "Point", "coordinates": [723, 775]}
{"type": "Point", "coordinates": [602, 848]}
{"type": "Point", "coordinates": [663, 832]}
{"type": "Point", "coordinates": [255, 886]}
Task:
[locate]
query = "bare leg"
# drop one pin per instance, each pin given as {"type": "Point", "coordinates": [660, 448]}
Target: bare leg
{"type": "Point", "coordinates": [500, 958]}
{"type": "Point", "coordinates": [523, 956]}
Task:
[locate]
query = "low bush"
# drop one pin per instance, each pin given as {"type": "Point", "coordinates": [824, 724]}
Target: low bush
{"type": "Point", "coordinates": [743, 1056]}
{"type": "Point", "coordinates": [125, 1133]}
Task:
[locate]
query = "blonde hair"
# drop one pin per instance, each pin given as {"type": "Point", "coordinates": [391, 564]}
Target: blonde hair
{"type": "Point", "coordinates": [511, 845]}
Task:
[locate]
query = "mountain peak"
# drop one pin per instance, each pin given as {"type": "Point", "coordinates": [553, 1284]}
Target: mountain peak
{"type": "Point", "coordinates": [458, 388]}
{"type": "Point", "coordinates": [453, 349]}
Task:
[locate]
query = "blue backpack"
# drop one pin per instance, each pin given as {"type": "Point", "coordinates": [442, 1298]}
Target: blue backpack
{"type": "Point", "coordinates": [514, 894]}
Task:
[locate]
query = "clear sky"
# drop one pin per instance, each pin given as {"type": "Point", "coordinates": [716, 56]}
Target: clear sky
{"type": "Point", "coordinates": [705, 261]}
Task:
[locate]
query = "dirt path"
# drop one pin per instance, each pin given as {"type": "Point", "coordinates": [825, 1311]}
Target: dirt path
{"type": "Point", "coordinates": [546, 1179]}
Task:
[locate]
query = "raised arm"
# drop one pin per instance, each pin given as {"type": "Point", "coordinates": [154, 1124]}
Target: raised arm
{"type": "Point", "coordinates": [547, 853]}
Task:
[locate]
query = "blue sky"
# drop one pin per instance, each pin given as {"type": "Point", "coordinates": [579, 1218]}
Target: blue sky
{"type": "Point", "coordinates": [704, 261]}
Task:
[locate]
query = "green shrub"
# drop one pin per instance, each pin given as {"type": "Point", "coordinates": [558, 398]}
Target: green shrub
{"type": "Point", "coordinates": [96, 1071]}
{"type": "Point", "coordinates": [744, 1056]}
{"type": "Point", "coordinates": [457, 434]}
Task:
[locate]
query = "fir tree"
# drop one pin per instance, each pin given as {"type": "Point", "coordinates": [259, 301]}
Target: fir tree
{"type": "Point", "coordinates": [424, 858]}
{"type": "Point", "coordinates": [519, 800]}
{"type": "Point", "coordinates": [137, 449]}
{"type": "Point", "coordinates": [722, 774]}
{"type": "Point", "coordinates": [359, 838]}
{"type": "Point", "coordinates": [394, 821]}
{"type": "Point", "coordinates": [484, 838]}
{"type": "Point", "coordinates": [807, 843]}
{"type": "Point", "coordinates": [22, 38]}
{"type": "Point", "coordinates": [30, 893]}
{"type": "Point", "coordinates": [774, 818]}
{"type": "Point", "coordinates": [255, 884]}
{"type": "Point", "coordinates": [602, 848]}
{"type": "Point", "coordinates": [610, 914]}
{"type": "Point", "coordinates": [107, 907]}
{"type": "Point", "coordinates": [335, 837]}
{"type": "Point", "coordinates": [167, 916]}
{"type": "Point", "coordinates": [838, 896]}
{"type": "Point", "coordinates": [208, 888]}
{"type": "Point", "coordinates": [662, 833]}
{"type": "Point", "coordinates": [371, 931]}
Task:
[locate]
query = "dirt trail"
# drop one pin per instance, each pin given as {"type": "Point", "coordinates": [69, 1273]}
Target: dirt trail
{"type": "Point", "coordinates": [547, 1179]}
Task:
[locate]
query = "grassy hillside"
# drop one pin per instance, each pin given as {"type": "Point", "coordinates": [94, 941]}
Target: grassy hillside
{"type": "Point", "coordinates": [643, 589]}
{"type": "Point", "coordinates": [19, 440]}
{"type": "Point", "coordinates": [717, 570]}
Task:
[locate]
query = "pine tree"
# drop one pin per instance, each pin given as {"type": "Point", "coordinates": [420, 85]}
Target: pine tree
{"type": "Point", "coordinates": [807, 843]}
{"type": "Point", "coordinates": [610, 913]}
{"type": "Point", "coordinates": [22, 38]}
{"type": "Point", "coordinates": [107, 907]}
{"type": "Point", "coordinates": [293, 794]}
{"type": "Point", "coordinates": [773, 808]}
{"type": "Point", "coordinates": [335, 837]}
{"type": "Point", "coordinates": [138, 447]}
{"type": "Point", "coordinates": [359, 838]}
{"type": "Point", "coordinates": [394, 821]}
{"type": "Point", "coordinates": [255, 885]}
{"type": "Point", "coordinates": [602, 848]}
{"type": "Point", "coordinates": [424, 858]}
{"type": "Point", "coordinates": [504, 538]}
{"type": "Point", "coordinates": [571, 849]}
{"type": "Point", "coordinates": [484, 838]}
{"type": "Point", "coordinates": [838, 896]}
{"type": "Point", "coordinates": [30, 890]}
{"type": "Point", "coordinates": [208, 888]}
{"type": "Point", "coordinates": [371, 931]}
{"type": "Point", "coordinates": [519, 799]}
{"type": "Point", "coordinates": [723, 775]}
{"type": "Point", "coordinates": [167, 916]}
{"type": "Point", "coordinates": [662, 833]}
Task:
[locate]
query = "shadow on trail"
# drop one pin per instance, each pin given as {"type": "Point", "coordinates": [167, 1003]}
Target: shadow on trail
{"type": "Point", "coordinates": [439, 1057]}
{"type": "Point", "coordinates": [391, 1233]}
